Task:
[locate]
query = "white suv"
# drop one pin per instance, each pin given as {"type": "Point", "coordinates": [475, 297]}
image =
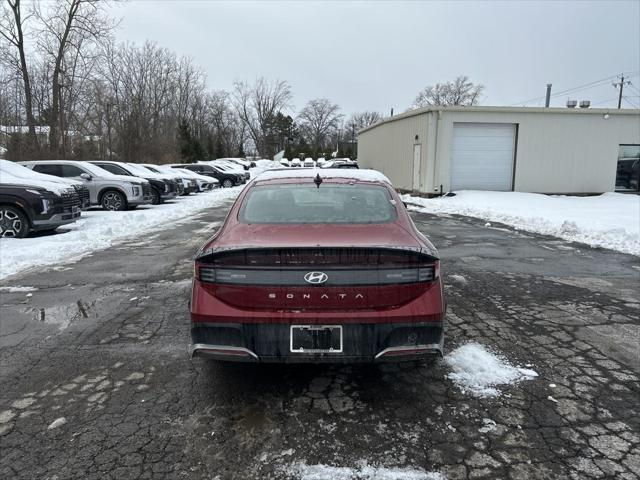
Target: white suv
{"type": "Point", "coordinates": [112, 192]}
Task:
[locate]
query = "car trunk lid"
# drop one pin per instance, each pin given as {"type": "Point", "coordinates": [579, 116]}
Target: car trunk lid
{"type": "Point", "coordinates": [316, 278]}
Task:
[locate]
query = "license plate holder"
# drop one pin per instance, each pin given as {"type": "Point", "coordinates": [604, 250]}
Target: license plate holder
{"type": "Point", "coordinates": [315, 339]}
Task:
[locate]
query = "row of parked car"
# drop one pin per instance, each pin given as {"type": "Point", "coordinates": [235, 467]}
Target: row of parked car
{"type": "Point", "coordinates": [319, 162]}
{"type": "Point", "coordinates": [45, 194]}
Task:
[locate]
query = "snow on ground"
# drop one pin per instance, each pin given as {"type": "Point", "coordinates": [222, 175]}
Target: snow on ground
{"type": "Point", "coordinates": [99, 229]}
{"type": "Point", "coordinates": [610, 220]}
{"type": "Point", "coordinates": [478, 371]}
{"type": "Point", "coordinates": [58, 422]}
{"type": "Point", "coordinates": [17, 289]}
{"type": "Point", "coordinates": [364, 471]}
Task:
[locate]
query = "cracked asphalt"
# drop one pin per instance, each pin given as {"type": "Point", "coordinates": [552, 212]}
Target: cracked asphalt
{"type": "Point", "coordinates": [97, 384]}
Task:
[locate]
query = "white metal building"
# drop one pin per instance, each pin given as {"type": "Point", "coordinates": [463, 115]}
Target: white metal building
{"type": "Point", "coordinates": [544, 150]}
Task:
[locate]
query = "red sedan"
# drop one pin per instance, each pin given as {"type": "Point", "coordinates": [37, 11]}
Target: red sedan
{"type": "Point", "coordinates": [317, 267]}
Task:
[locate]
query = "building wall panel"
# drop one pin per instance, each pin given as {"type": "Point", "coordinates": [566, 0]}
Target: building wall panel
{"type": "Point", "coordinates": [557, 151]}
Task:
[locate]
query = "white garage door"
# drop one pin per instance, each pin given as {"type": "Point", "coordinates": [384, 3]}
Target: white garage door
{"type": "Point", "coordinates": [482, 156]}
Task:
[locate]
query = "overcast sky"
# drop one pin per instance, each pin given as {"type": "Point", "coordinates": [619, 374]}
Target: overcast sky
{"type": "Point", "coordinates": [375, 55]}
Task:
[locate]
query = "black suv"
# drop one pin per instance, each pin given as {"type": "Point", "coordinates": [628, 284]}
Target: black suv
{"type": "Point", "coordinates": [226, 179]}
{"type": "Point", "coordinates": [25, 208]}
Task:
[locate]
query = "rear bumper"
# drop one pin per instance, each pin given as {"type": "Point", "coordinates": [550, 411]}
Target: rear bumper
{"type": "Point", "coordinates": [362, 343]}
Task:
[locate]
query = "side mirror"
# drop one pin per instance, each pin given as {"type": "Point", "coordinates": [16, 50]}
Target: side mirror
{"type": "Point", "coordinates": [86, 176]}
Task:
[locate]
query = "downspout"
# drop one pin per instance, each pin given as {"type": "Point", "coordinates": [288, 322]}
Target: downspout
{"type": "Point", "coordinates": [436, 165]}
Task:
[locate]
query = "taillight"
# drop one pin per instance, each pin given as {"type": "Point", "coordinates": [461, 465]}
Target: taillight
{"type": "Point", "coordinates": [342, 267]}
{"type": "Point", "coordinates": [297, 277]}
{"type": "Point", "coordinates": [427, 273]}
{"type": "Point", "coordinates": [207, 274]}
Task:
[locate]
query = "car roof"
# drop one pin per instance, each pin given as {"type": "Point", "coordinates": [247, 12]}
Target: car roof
{"type": "Point", "coordinates": [277, 174]}
{"type": "Point", "coordinates": [44, 162]}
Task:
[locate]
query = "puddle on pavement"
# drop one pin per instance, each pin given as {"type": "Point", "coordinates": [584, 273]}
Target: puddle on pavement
{"type": "Point", "coordinates": [60, 315]}
{"type": "Point", "coordinates": [253, 418]}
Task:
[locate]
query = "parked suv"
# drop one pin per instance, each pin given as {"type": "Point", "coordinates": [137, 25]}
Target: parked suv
{"type": "Point", "coordinates": [174, 181]}
{"type": "Point", "coordinates": [32, 205]}
{"type": "Point", "coordinates": [160, 189]}
{"type": "Point", "coordinates": [20, 171]}
{"type": "Point", "coordinates": [340, 163]}
{"type": "Point", "coordinates": [202, 182]}
{"type": "Point", "coordinates": [246, 164]}
{"type": "Point", "coordinates": [226, 179]}
{"type": "Point", "coordinates": [112, 192]}
{"type": "Point", "coordinates": [229, 166]}
{"type": "Point", "coordinates": [189, 185]}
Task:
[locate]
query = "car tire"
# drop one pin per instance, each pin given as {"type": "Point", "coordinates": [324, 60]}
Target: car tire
{"type": "Point", "coordinates": [156, 199]}
{"type": "Point", "coordinates": [227, 183]}
{"type": "Point", "coordinates": [13, 222]}
{"type": "Point", "coordinates": [113, 200]}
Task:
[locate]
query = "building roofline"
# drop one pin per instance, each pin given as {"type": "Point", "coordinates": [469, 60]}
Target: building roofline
{"type": "Point", "coordinates": [489, 109]}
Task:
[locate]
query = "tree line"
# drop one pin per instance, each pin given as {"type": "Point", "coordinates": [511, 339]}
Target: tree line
{"type": "Point", "coordinates": [67, 90]}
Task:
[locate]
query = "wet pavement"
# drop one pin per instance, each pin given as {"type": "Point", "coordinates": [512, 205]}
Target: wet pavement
{"type": "Point", "coordinates": [97, 383]}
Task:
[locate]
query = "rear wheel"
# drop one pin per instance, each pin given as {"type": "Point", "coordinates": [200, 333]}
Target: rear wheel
{"type": "Point", "coordinates": [13, 222]}
{"type": "Point", "coordinates": [113, 200]}
{"type": "Point", "coordinates": [227, 183]}
{"type": "Point", "coordinates": [156, 199]}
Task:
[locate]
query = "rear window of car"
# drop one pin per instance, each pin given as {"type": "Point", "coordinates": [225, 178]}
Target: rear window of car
{"type": "Point", "coordinates": [337, 203]}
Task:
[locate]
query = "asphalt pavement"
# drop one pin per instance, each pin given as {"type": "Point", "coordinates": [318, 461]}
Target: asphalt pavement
{"type": "Point", "coordinates": [96, 382]}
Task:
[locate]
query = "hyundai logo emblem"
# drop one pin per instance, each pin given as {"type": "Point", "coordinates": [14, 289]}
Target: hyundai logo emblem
{"type": "Point", "coordinates": [316, 278]}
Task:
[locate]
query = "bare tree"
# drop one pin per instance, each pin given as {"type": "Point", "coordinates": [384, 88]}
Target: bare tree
{"type": "Point", "coordinates": [360, 120]}
{"type": "Point", "coordinates": [317, 120]}
{"type": "Point", "coordinates": [11, 31]}
{"type": "Point", "coordinates": [459, 92]}
{"type": "Point", "coordinates": [226, 131]}
{"type": "Point", "coordinates": [257, 105]}
{"type": "Point", "coordinates": [68, 26]}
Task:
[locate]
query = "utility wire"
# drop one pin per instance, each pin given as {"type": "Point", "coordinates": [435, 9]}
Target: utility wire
{"type": "Point", "coordinates": [604, 101]}
{"type": "Point", "coordinates": [629, 101]}
{"type": "Point", "coordinates": [570, 90]}
{"type": "Point", "coordinates": [586, 86]}
{"type": "Point", "coordinates": [633, 88]}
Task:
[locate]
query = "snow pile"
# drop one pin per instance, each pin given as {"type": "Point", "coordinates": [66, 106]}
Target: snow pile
{"type": "Point", "coordinates": [610, 220]}
{"type": "Point", "coordinates": [478, 371]}
{"type": "Point", "coordinates": [263, 165]}
{"type": "Point", "coordinates": [303, 471]}
{"type": "Point", "coordinates": [98, 229]}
